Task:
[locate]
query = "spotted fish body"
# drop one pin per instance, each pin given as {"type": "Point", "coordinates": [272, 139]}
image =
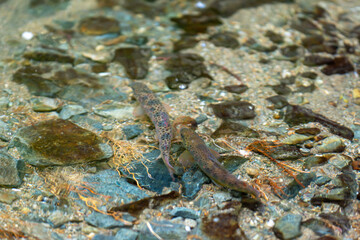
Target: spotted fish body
{"type": "Point", "coordinates": [158, 116]}
{"type": "Point", "coordinates": [210, 165]}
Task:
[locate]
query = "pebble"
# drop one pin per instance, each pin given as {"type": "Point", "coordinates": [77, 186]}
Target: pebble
{"type": "Point", "coordinates": [340, 161]}
{"type": "Point", "coordinates": [27, 35]}
{"type": "Point", "coordinates": [71, 110]}
{"type": "Point", "coordinates": [4, 103]}
{"type": "Point", "coordinates": [106, 221]}
{"type": "Point", "coordinates": [296, 139]}
{"type": "Point", "coordinates": [44, 104]}
{"type": "Point", "coordinates": [58, 218]}
{"type": "Point", "coordinates": [330, 144]}
{"type": "Point", "coordinates": [44, 144]}
{"type": "Point", "coordinates": [319, 226]}
{"type": "Point", "coordinates": [234, 110]}
{"type": "Point", "coordinates": [220, 197]}
{"type": "Point", "coordinates": [134, 60]}
{"type": "Point", "coordinates": [288, 226]}
{"type": "Point", "coordinates": [11, 170]}
{"type": "Point", "coordinates": [313, 161]}
{"type": "Point", "coordinates": [126, 234]}
{"type": "Point", "coordinates": [99, 25]}
{"type": "Point", "coordinates": [185, 213]}
{"type": "Point", "coordinates": [7, 197]}
{"type": "Point", "coordinates": [115, 110]}
{"type": "Point", "coordinates": [132, 131]}
{"type": "Point", "coordinates": [164, 229]}
{"type": "Point", "coordinates": [356, 95]}
{"type": "Point", "coordinates": [294, 187]}
{"type": "Point", "coordinates": [190, 223]}
{"type": "Point", "coordinates": [192, 180]}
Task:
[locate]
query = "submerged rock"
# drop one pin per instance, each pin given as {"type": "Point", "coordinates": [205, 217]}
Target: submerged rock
{"type": "Point", "coordinates": [99, 25]}
{"type": "Point", "coordinates": [318, 59]}
{"type": "Point", "coordinates": [71, 110]}
{"type": "Point", "coordinates": [108, 183]}
{"type": "Point", "coordinates": [330, 144]}
{"type": "Point", "coordinates": [226, 8]}
{"type": "Point", "coordinates": [164, 229]}
{"type": "Point", "coordinates": [134, 60]}
{"type": "Point", "coordinates": [115, 110]}
{"type": "Point", "coordinates": [294, 187]}
{"type": "Point", "coordinates": [343, 190]}
{"type": "Point", "coordinates": [232, 128]}
{"type": "Point", "coordinates": [185, 213]}
{"type": "Point", "coordinates": [49, 55]}
{"type": "Point", "coordinates": [295, 115]}
{"type": "Point", "coordinates": [189, 64]}
{"type": "Point", "coordinates": [106, 221]}
{"type": "Point", "coordinates": [234, 110]}
{"type": "Point", "coordinates": [278, 101]}
{"type": "Point", "coordinates": [59, 142]}
{"type": "Point", "coordinates": [132, 131]}
{"type": "Point", "coordinates": [192, 180]}
{"type": "Point", "coordinates": [340, 65]}
{"type": "Point", "coordinates": [197, 23]}
{"type": "Point", "coordinates": [44, 104]}
{"type": "Point", "coordinates": [12, 170]}
{"type": "Point", "coordinates": [185, 42]}
{"type": "Point", "coordinates": [225, 39]}
{"type": "Point", "coordinates": [236, 88]}
{"type": "Point", "coordinates": [126, 234]}
{"type": "Point", "coordinates": [152, 174]}
{"type": "Point", "coordinates": [37, 85]}
{"type": "Point", "coordinates": [288, 226]}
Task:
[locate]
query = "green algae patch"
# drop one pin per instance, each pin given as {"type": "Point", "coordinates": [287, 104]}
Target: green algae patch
{"type": "Point", "coordinates": [59, 142]}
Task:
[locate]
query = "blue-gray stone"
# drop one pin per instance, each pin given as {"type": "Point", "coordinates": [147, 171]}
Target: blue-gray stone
{"type": "Point", "coordinates": [132, 131]}
{"type": "Point", "coordinates": [185, 213]}
{"type": "Point", "coordinates": [165, 229]}
{"type": "Point", "coordinates": [103, 237]}
{"type": "Point", "coordinates": [322, 180]}
{"type": "Point", "coordinates": [201, 118]}
{"type": "Point", "coordinates": [159, 174]}
{"type": "Point", "coordinates": [106, 221]}
{"type": "Point", "coordinates": [86, 122]}
{"type": "Point", "coordinates": [193, 180]}
{"type": "Point", "coordinates": [288, 226]}
{"type": "Point", "coordinates": [294, 187]}
{"type": "Point", "coordinates": [126, 234]}
{"type": "Point", "coordinates": [71, 110]}
{"type": "Point", "coordinates": [108, 183]}
{"type": "Point", "coordinates": [11, 170]}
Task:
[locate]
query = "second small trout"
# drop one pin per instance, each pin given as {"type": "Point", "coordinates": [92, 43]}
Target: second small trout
{"type": "Point", "coordinates": [208, 163]}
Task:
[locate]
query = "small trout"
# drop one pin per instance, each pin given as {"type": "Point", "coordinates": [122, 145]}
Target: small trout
{"type": "Point", "coordinates": [208, 163]}
{"type": "Point", "coordinates": [159, 117]}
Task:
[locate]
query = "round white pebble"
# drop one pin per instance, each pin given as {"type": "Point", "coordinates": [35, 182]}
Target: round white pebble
{"type": "Point", "coordinates": [27, 35]}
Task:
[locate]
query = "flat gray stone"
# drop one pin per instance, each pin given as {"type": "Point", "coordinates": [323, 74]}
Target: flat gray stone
{"type": "Point", "coordinates": [71, 110]}
{"type": "Point", "coordinates": [115, 110]}
{"type": "Point", "coordinates": [185, 213]}
{"type": "Point", "coordinates": [11, 170]}
{"type": "Point", "coordinates": [44, 104]}
{"type": "Point", "coordinates": [126, 234]}
{"type": "Point", "coordinates": [288, 226]}
{"type": "Point", "coordinates": [165, 229]}
{"type": "Point", "coordinates": [106, 221]}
